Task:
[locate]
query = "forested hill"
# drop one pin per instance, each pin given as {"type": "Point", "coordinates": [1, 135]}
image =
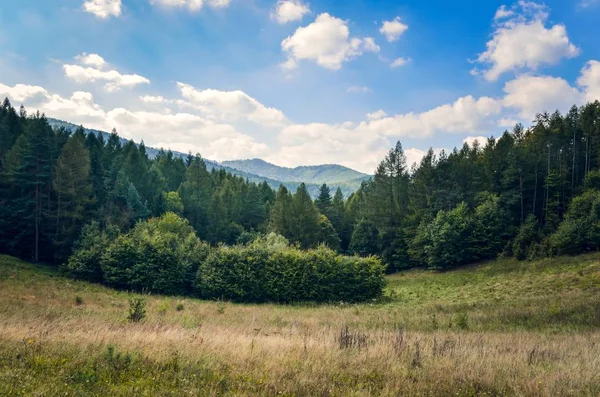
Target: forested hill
{"type": "Point", "coordinates": [329, 173]}
{"type": "Point", "coordinates": [258, 171]}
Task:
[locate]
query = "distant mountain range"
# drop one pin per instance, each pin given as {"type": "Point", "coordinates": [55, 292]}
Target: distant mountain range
{"type": "Point", "coordinates": [257, 170]}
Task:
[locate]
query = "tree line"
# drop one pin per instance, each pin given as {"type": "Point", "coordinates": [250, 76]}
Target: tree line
{"type": "Point", "coordinates": [532, 192]}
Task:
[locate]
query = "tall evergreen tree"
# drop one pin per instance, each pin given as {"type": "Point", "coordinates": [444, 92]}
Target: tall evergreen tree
{"type": "Point", "coordinates": [74, 194]}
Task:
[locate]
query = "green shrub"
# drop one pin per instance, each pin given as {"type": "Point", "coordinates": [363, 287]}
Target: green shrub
{"type": "Point", "coordinates": [137, 309]}
{"type": "Point", "coordinates": [527, 238]}
{"type": "Point", "coordinates": [159, 262]}
{"type": "Point", "coordinates": [285, 274]}
{"type": "Point", "coordinates": [160, 255]}
{"type": "Point", "coordinates": [85, 262]}
{"type": "Point", "coordinates": [451, 235]}
{"type": "Point", "coordinates": [580, 231]}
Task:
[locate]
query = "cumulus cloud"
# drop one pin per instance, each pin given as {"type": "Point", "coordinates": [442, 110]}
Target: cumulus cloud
{"type": "Point", "coordinates": [534, 94]}
{"type": "Point", "coordinates": [192, 5]}
{"type": "Point", "coordinates": [521, 40]}
{"type": "Point", "coordinates": [103, 9]}
{"type": "Point", "coordinates": [326, 41]}
{"type": "Point", "coordinates": [379, 114]}
{"type": "Point", "coordinates": [398, 62]}
{"type": "Point", "coordinates": [93, 69]}
{"type": "Point", "coordinates": [503, 12]}
{"type": "Point", "coordinates": [223, 124]}
{"type": "Point", "coordinates": [230, 105]}
{"type": "Point", "coordinates": [22, 92]}
{"type": "Point", "coordinates": [590, 80]}
{"type": "Point", "coordinates": [289, 11]}
{"type": "Point", "coordinates": [93, 60]}
{"type": "Point", "coordinates": [392, 30]}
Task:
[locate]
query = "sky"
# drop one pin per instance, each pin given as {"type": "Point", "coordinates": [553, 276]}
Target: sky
{"type": "Point", "coordinates": [298, 82]}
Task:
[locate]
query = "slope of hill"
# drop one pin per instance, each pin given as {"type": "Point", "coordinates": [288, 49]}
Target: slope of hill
{"type": "Point", "coordinates": [501, 328]}
{"type": "Point", "coordinates": [327, 173]}
{"type": "Point", "coordinates": [258, 171]}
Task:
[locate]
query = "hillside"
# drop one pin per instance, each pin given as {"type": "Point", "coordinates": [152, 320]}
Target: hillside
{"type": "Point", "coordinates": [330, 173]}
{"type": "Point", "coordinates": [258, 171]}
{"type": "Point", "coordinates": [503, 328]}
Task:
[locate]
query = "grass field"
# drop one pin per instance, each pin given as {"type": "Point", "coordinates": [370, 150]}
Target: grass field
{"type": "Point", "coordinates": [500, 328]}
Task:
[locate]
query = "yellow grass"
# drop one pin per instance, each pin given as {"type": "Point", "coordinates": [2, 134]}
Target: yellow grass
{"type": "Point", "coordinates": [50, 345]}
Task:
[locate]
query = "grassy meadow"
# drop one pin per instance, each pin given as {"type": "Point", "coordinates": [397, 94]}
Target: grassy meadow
{"type": "Point", "coordinates": [499, 328]}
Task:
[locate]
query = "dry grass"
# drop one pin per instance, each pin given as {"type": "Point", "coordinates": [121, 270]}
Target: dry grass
{"type": "Point", "coordinates": [52, 344]}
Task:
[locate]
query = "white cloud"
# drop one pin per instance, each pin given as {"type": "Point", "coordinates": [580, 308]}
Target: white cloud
{"type": "Point", "coordinates": [103, 9]}
{"type": "Point", "coordinates": [358, 88]}
{"type": "Point", "coordinates": [192, 5]}
{"type": "Point", "coordinates": [22, 92]}
{"type": "Point", "coordinates": [522, 40]}
{"type": "Point", "coordinates": [535, 94]}
{"type": "Point", "coordinates": [590, 80]}
{"type": "Point", "coordinates": [398, 62]}
{"type": "Point", "coordinates": [152, 99]}
{"type": "Point", "coordinates": [289, 11]}
{"type": "Point", "coordinates": [93, 60]}
{"type": "Point", "coordinates": [370, 45]}
{"type": "Point", "coordinates": [392, 30]}
{"type": "Point", "coordinates": [228, 124]}
{"type": "Point", "coordinates": [326, 41]}
{"type": "Point", "coordinates": [379, 114]}
{"type": "Point", "coordinates": [231, 105]}
{"type": "Point", "coordinates": [503, 12]}
{"type": "Point", "coordinates": [112, 79]}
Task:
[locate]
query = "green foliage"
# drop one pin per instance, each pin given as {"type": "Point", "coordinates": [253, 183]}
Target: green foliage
{"type": "Point", "coordinates": [580, 231]}
{"type": "Point", "coordinates": [137, 309]}
{"type": "Point", "coordinates": [74, 189]}
{"type": "Point", "coordinates": [173, 202]}
{"type": "Point", "coordinates": [160, 255]}
{"type": "Point", "coordinates": [327, 234]}
{"type": "Point", "coordinates": [592, 180]}
{"type": "Point", "coordinates": [283, 274]}
{"type": "Point", "coordinates": [526, 238]}
{"type": "Point", "coordinates": [85, 262]}
{"type": "Point", "coordinates": [450, 238]}
{"type": "Point", "coordinates": [365, 239]}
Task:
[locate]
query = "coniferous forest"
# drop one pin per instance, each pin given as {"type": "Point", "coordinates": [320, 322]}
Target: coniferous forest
{"type": "Point", "coordinates": [105, 212]}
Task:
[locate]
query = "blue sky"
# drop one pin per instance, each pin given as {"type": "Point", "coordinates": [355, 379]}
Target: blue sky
{"type": "Point", "coordinates": [300, 82]}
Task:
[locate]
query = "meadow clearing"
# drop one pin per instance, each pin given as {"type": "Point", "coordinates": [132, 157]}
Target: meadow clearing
{"type": "Point", "coordinates": [498, 328]}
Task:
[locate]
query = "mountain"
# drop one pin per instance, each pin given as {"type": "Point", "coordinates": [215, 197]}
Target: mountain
{"type": "Point", "coordinates": [319, 174]}
{"type": "Point", "coordinates": [258, 171]}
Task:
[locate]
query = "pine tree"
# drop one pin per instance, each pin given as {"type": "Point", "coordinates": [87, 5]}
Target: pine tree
{"type": "Point", "coordinates": [74, 194]}
{"type": "Point", "coordinates": [196, 193]}
{"type": "Point", "coordinates": [323, 201]}
{"type": "Point", "coordinates": [280, 220]}
{"type": "Point", "coordinates": [327, 234]}
{"type": "Point", "coordinates": [28, 173]}
{"type": "Point", "coordinates": [304, 219]}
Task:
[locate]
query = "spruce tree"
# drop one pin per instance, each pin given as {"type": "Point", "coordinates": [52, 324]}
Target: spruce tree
{"type": "Point", "coordinates": [74, 194]}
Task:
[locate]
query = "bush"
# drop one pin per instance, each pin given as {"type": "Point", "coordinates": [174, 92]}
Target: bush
{"type": "Point", "coordinates": [85, 263]}
{"type": "Point", "coordinates": [264, 274]}
{"type": "Point", "coordinates": [137, 310]}
{"type": "Point", "coordinates": [528, 236]}
{"type": "Point", "coordinates": [451, 235]}
{"type": "Point", "coordinates": [580, 231]}
{"type": "Point", "coordinates": [160, 255]}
